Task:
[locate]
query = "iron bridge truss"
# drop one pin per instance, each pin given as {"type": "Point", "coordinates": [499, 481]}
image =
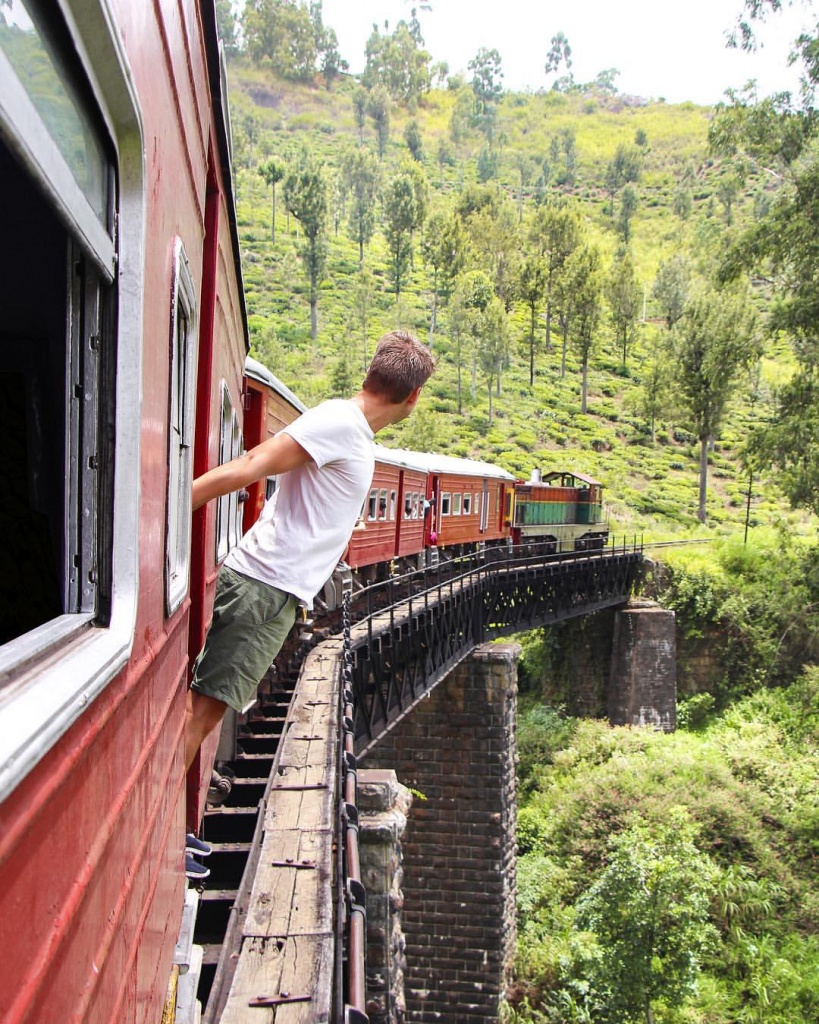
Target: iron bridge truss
{"type": "Point", "coordinates": [412, 630]}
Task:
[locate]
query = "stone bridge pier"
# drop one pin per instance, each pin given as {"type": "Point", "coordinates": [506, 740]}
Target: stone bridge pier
{"type": "Point", "coordinates": [441, 876]}
{"type": "Point", "coordinates": [456, 753]}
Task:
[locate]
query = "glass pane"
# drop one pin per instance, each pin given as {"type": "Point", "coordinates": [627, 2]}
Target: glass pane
{"type": "Point", "coordinates": [36, 62]}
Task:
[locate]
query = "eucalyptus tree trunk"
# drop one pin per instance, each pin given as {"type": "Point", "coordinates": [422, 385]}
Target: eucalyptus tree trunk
{"type": "Point", "coordinates": [703, 478]}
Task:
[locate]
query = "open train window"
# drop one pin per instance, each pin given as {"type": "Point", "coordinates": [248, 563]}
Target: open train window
{"type": "Point", "coordinates": [183, 337]}
{"type": "Point", "coordinates": [446, 502]}
{"type": "Point", "coordinates": [70, 356]}
{"type": "Point", "coordinates": [467, 504]}
{"type": "Point", "coordinates": [228, 508]}
{"type": "Point", "coordinates": [372, 504]}
{"type": "Point", "coordinates": [393, 498]}
{"type": "Point", "coordinates": [382, 503]}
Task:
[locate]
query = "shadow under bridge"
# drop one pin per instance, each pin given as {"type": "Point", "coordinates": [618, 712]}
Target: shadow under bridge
{"type": "Point", "coordinates": [412, 630]}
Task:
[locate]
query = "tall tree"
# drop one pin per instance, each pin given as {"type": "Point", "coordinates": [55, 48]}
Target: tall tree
{"type": "Point", "coordinates": [670, 288]}
{"type": "Point", "coordinates": [532, 290]}
{"type": "Point", "coordinates": [653, 398]}
{"type": "Point", "coordinates": [361, 176]}
{"type": "Point", "coordinates": [272, 171]}
{"type": "Point", "coordinates": [627, 209]}
{"type": "Point", "coordinates": [496, 242]}
{"type": "Point", "coordinates": [493, 346]}
{"type": "Point", "coordinates": [444, 249]}
{"type": "Point", "coordinates": [412, 137]}
{"type": "Point", "coordinates": [649, 910]}
{"type": "Point", "coordinates": [559, 53]}
{"type": "Point", "coordinates": [779, 135]}
{"type": "Point", "coordinates": [585, 275]}
{"type": "Point", "coordinates": [363, 300]}
{"type": "Point", "coordinates": [399, 63]}
{"type": "Point", "coordinates": [378, 107]}
{"type": "Point", "coordinates": [554, 234]}
{"type": "Point", "coordinates": [399, 221]}
{"type": "Point", "coordinates": [280, 33]}
{"type": "Point", "coordinates": [360, 112]}
{"type": "Point", "coordinates": [487, 87]}
{"type": "Point", "coordinates": [420, 189]}
{"type": "Point", "coordinates": [623, 294]}
{"type": "Point", "coordinates": [714, 341]}
{"type": "Point", "coordinates": [472, 297]}
{"type": "Point", "coordinates": [306, 197]}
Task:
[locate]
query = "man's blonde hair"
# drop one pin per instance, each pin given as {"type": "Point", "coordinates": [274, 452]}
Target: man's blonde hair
{"type": "Point", "coordinates": [400, 365]}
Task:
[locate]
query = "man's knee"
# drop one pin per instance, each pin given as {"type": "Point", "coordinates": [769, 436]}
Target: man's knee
{"type": "Point", "coordinates": [204, 713]}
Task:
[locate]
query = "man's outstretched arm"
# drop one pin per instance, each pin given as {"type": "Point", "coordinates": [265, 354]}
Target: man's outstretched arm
{"type": "Point", "coordinates": [278, 454]}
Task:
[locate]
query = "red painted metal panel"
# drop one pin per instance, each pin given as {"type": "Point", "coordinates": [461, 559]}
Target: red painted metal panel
{"type": "Point", "coordinates": [453, 527]}
{"type": "Point", "coordinates": [376, 541]}
{"type": "Point", "coordinates": [410, 522]}
{"type": "Point", "coordinates": [91, 841]}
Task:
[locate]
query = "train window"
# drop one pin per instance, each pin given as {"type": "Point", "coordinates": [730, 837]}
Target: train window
{"type": "Point", "coordinates": [180, 432]}
{"type": "Point", "coordinates": [483, 506]}
{"type": "Point", "coordinates": [467, 504]}
{"type": "Point", "coordinates": [382, 503]}
{"type": "Point", "coordinates": [223, 517]}
{"type": "Point", "coordinates": [372, 505]}
{"type": "Point", "coordinates": [407, 506]}
{"type": "Point", "coordinates": [70, 363]}
{"type": "Point", "coordinates": [416, 505]}
{"type": "Point", "coordinates": [393, 498]}
{"type": "Point", "coordinates": [235, 530]}
{"type": "Point", "coordinates": [446, 500]}
{"type": "Point", "coordinates": [456, 504]}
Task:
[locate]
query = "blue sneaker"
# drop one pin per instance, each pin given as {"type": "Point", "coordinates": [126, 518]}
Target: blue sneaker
{"type": "Point", "coordinates": [195, 870]}
{"type": "Point", "coordinates": [198, 847]}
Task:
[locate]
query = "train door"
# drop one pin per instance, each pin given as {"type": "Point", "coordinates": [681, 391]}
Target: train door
{"type": "Point", "coordinates": [432, 511]}
{"type": "Point", "coordinates": [254, 423]}
{"type": "Point", "coordinates": [485, 507]}
{"type": "Point", "coordinates": [399, 510]}
{"type": "Point", "coordinates": [201, 560]}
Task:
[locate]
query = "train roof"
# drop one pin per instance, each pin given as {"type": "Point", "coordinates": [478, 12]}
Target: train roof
{"type": "Point", "coordinates": [431, 462]}
{"type": "Point", "coordinates": [259, 372]}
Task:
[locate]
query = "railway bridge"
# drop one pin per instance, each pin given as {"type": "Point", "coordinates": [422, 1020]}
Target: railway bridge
{"type": "Point", "coordinates": [408, 694]}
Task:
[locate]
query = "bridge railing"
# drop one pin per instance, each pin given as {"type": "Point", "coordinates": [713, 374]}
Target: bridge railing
{"type": "Point", "coordinates": [403, 635]}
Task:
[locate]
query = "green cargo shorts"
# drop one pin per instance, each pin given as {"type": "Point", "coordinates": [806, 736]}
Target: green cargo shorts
{"type": "Point", "coordinates": [251, 620]}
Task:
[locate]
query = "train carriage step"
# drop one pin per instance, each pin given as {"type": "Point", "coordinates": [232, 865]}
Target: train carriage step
{"type": "Point", "coordinates": [249, 765]}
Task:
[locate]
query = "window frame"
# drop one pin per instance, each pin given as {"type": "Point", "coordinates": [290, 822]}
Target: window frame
{"type": "Point", "coordinates": [42, 696]}
{"type": "Point", "coordinates": [182, 412]}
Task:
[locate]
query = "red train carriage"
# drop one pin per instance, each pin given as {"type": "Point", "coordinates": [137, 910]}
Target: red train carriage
{"type": "Point", "coordinates": [564, 510]}
{"type": "Point", "coordinates": [122, 345]}
{"type": "Point", "coordinates": [470, 502]}
{"type": "Point", "coordinates": [391, 527]}
{"type": "Point", "coordinates": [269, 406]}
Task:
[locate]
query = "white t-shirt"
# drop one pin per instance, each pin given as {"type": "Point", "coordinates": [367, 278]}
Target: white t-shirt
{"type": "Point", "coordinates": [306, 523]}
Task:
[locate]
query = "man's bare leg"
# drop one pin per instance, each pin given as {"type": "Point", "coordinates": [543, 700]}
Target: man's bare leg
{"type": "Point", "coordinates": [202, 716]}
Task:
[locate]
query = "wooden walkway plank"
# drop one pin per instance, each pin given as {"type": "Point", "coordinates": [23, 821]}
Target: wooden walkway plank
{"type": "Point", "coordinates": [288, 940]}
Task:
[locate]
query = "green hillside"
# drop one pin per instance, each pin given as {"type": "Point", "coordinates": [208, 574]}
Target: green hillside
{"type": "Point", "coordinates": [651, 485]}
{"type": "Point", "coordinates": [662, 878]}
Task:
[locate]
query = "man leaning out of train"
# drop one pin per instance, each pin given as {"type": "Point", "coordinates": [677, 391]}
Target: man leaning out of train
{"type": "Point", "coordinates": [325, 462]}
